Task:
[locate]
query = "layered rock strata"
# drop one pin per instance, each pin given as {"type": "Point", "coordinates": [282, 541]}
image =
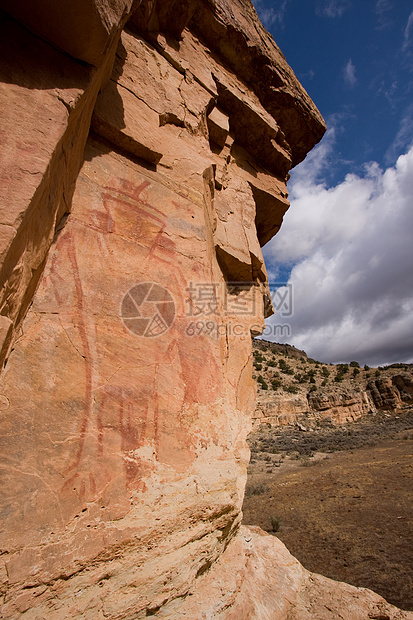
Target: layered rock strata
{"type": "Point", "coordinates": [47, 98]}
{"type": "Point", "coordinates": [132, 280]}
{"type": "Point", "coordinates": [299, 390]}
{"type": "Point", "coordinates": [338, 405]}
{"type": "Point", "coordinates": [392, 393]}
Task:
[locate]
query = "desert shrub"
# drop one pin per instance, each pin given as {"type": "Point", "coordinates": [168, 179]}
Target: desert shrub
{"type": "Point", "coordinates": [324, 382]}
{"type": "Point", "coordinates": [338, 378]}
{"type": "Point", "coordinates": [307, 461]}
{"type": "Point", "coordinates": [262, 382]}
{"type": "Point", "coordinates": [342, 368]}
{"type": "Point", "coordinates": [356, 371]}
{"type": "Point", "coordinates": [275, 523]}
{"type": "Point", "coordinates": [377, 373]}
{"type": "Point", "coordinates": [272, 363]}
{"type": "Point", "coordinates": [354, 364]}
{"type": "Point", "coordinates": [325, 371]}
{"type": "Point", "coordinates": [275, 384]}
{"type": "Point", "coordinates": [256, 488]}
{"type": "Point", "coordinates": [292, 389]}
{"type": "Point", "coordinates": [257, 366]}
{"type": "Point", "coordinates": [312, 380]}
{"type": "Point", "coordinates": [285, 368]}
{"type": "Point", "coordinates": [300, 378]}
{"type": "Point", "coordinates": [366, 367]}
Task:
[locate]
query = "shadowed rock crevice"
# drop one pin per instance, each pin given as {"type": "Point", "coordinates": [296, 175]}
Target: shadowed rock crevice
{"type": "Point", "coordinates": [47, 102]}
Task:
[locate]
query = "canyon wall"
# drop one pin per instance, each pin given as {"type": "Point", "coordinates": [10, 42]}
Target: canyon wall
{"type": "Point", "coordinates": [392, 393]}
{"type": "Point", "coordinates": [145, 154]}
{"type": "Point", "coordinates": [296, 389]}
{"type": "Point", "coordinates": [346, 405]}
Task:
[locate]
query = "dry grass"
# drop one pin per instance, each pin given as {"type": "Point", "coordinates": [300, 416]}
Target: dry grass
{"type": "Point", "coordinates": [349, 516]}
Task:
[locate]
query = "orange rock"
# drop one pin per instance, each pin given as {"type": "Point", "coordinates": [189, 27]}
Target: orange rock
{"type": "Point", "coordinates": [256, 577]}
{"type": "Point", "coordinates": [85, 30]}
{"type": "Point", "coordinates": [135, 273]}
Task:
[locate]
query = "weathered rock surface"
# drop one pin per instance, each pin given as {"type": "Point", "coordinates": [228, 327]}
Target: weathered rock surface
{"type": "Point", "coordinates": [392, 393]}
{"type": "Point", "coordinates": [133, 277]}
{"type": "Point", "coordinates": [340, 406]}
{"type": "Point", "coordinates": [259, 578]}
{"type": "Point", "coordinates": [344, 406]}
{"type": "Point", "coordinates": [302, 391]}
{"type": "Point", "coordinates": [85, 30]}
{"type": "Point", "coordinates": [47, 99]}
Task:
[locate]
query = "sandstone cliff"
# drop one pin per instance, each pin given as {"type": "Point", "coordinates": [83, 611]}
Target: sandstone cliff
{"type": "Point", "coordinates": [145, 153]}
{"type": "Point", "coordinates": [295, 389]}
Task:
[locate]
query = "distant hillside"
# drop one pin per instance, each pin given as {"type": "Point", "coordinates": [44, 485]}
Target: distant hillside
{"type": "Point", "coordinates": [281, 349]}
{"type": "Point", "coordinates": [295, 388]}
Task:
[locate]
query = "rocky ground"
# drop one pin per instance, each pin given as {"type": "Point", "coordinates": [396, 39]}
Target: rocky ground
{"type": "Point", "coordinates": [338, 495]}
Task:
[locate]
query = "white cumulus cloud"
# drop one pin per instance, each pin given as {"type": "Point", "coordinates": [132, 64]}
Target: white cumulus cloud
{"type": "Point", "coordinates": [332, 8]}
{"type": "Point", "coordinates": [352, 251]}
{"type": "Point", "coordinates": [350, 73]}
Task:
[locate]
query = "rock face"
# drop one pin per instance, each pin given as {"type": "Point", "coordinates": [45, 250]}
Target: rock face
{"type": "Point", "coordinates": [47, 99]}
{"type": "Point", "coordinates": [132, 280]}
{"type": "Point", "coordinates": [344, 405]}
{"type": "Point", "coordinates": [85, 30]}
{"type": "Point", "coordinates": [392, 393]}
{"type": "Point", "coordinates": [299, 390]}
{"type": "Point", "coordinates": [340, 405]}
{"type": "Point", "coordinates": [256, 563]}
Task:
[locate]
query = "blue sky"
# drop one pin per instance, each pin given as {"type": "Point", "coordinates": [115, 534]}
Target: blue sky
{"type": "Point", "coordinates": [346, 242]}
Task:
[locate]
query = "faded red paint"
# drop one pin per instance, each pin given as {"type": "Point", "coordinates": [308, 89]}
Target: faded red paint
{"type": "Point", "coordinates": [135, 413]}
